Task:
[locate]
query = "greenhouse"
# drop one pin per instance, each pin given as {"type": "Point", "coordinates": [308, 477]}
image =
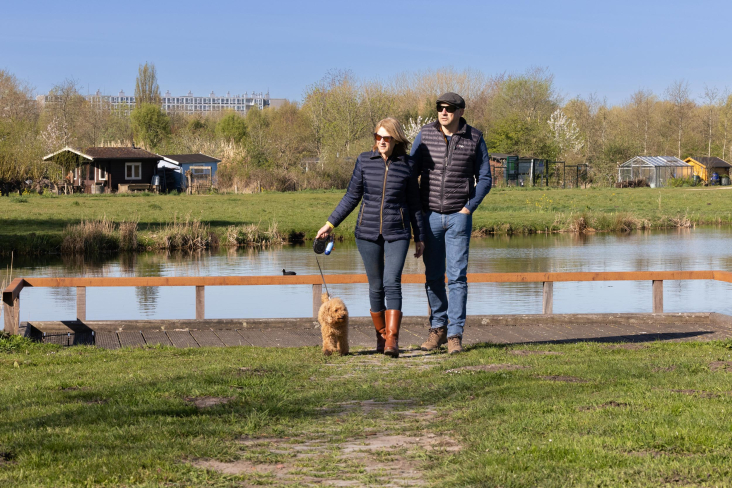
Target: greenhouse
{"type": "Point", "coordinates": [655, 170]}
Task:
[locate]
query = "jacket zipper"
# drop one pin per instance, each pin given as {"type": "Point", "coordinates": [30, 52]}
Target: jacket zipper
{"type": "Point", "coordinates": [360, 218]}
{"type": "Point", "coordinates": [444, 170]}
{"type": "Point", "coordinates": [383, 192]}
{"type": "Point", "coordinates": [401, 212]}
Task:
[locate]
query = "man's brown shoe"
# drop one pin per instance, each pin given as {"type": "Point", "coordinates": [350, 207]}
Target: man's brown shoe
{"type": "Point", "coordinates": [437, 337]}
{"type": "Point", "coordinates": [455, 344]}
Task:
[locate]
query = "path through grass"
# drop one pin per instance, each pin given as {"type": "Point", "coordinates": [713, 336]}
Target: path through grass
{"type": "Point", "coordinates": [543, 415]}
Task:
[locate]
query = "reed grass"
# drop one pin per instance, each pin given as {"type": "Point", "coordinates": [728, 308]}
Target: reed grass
{"type": "Point", "coordinates": [90, 236]}
{"type": "Point", "coordinates": [128, 236]}
{"type": "Point", "coordinates": [253, 235]}
{"type": "Point", "coordinates": [187, 235]}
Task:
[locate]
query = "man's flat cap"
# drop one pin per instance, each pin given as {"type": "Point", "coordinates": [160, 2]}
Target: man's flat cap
{"type": "Point", "coordinates": [452, 99]}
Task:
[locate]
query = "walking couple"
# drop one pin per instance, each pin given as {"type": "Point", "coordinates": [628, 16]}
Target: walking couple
{"type": "Point", "coordinates": [451, 160]}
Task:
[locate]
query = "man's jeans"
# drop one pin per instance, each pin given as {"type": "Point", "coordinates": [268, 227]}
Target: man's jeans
{"type": "Point", "coordinates": [447, 238]}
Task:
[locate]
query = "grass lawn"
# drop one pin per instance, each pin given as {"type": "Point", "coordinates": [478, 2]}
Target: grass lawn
{"type": "Point", "coordinates": [583, 414]}
{"type": "Point", "coordinates": [36, 223]}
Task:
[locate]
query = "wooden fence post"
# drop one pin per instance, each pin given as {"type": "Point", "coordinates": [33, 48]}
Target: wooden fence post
{"type": "Point", "coordinates": [81, 303]}
{"type": "Point", "coordinates": [11, 312]}
{"type": "Point", "coordinates": [317, 291]}
{"type": "Point", "coordinates": [547, 305]}
{"type": "Point", "coordinates": [657, 296]}
{"type": "Point", "coordinates": [200, 302]}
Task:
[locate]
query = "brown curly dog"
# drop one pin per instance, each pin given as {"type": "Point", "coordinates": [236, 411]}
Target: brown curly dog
{"type": "Point", "coordinates": [333, 318]}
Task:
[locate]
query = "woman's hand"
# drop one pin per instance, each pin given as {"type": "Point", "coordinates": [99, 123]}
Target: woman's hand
{"type": "Point", "coordinates": [418, 249]}
{"type": "Point", "coordinates": [324, 232]}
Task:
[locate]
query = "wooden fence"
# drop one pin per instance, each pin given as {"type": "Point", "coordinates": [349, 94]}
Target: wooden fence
{"type": "Point", "coordinates": [11, 295]}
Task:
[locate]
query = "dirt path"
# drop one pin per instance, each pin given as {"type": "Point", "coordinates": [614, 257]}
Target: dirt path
{"type": "Point", "coordinates": [390, 449]}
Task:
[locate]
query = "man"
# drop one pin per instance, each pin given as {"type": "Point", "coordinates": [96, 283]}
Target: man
{"type": "Point", "coordinates": [455, 172]}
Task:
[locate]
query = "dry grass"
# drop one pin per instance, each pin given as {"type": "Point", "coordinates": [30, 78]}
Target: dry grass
{"type": "Point", "coordinates": [681, 221]}
{"type": "Point", "coordinates": [90, 236]}
{"type": "Point", "coordinates": [188, 235]}
{"type": "Point", "coordinates": [254, 235]}
{"type": "Point", "coordinates": [128, 236]}
{"type": "Point", "coordinates": [578, 224]}
{"type": "Point", "coordinates": [626, 222]}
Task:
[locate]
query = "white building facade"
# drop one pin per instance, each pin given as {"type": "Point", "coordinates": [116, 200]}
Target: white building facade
{"type": "Point", "coordinates": [187, 104]}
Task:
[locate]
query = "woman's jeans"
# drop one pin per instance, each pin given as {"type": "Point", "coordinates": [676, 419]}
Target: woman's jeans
{"type": "Point", "coordinates": [447, 237]}
{"type": "Point", "coordinates": [384, 262]}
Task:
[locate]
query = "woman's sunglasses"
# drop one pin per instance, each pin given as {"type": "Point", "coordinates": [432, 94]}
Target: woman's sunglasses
{"type": "Point", "coordinates": [387, 139]}
{"type": "Point", "coordinates": [450, 108]}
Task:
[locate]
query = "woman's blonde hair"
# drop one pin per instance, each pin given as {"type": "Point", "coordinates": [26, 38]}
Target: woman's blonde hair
{"type": "Point", "coordinates": [394, 128]}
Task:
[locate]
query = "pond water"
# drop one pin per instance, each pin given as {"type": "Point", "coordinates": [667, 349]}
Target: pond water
{"type": "Point", "coordinates": [682, 249]}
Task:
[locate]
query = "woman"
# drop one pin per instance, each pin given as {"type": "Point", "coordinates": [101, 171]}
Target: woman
{"type": "Point", "coordinates": [386, 181]}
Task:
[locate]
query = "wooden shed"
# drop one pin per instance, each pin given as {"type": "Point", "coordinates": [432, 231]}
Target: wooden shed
{"type": "Point", "coordinates": [705, 166]}
{"type": "Point", "coordinates": [197, 169]}
{"type": "Point", "coordinates": [104, 169]}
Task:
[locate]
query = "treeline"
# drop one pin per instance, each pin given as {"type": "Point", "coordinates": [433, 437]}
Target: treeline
{"type": "Point", "coordinates": [312, 144]}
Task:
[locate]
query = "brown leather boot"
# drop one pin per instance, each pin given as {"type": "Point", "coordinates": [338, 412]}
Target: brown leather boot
{"type": "Point", "coordinates": [393, 321]}
{"type": "Point", "coordinates": [380, 325]}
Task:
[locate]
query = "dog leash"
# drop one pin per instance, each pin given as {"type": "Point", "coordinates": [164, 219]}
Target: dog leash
{"type": "Point", "coordinates": [323, 277]}
{"type": "Point", "coordinates": [321, 246]}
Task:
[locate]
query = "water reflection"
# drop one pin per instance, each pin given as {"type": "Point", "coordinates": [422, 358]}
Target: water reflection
{"type": "Point", "coordinates": [679, 249]}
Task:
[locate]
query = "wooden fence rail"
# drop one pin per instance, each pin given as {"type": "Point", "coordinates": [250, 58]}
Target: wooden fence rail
{"type": "Point", "coordinates": [11, 295]}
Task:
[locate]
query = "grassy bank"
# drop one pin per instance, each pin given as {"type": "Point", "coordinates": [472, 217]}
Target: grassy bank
{"type": "Point", "coordinates": [551, 415]}
{"type": "Point", "coordinates": [36, 224]}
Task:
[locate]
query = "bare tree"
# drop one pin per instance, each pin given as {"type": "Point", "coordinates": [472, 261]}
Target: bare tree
{"type": "Point", "coordinates": [725, 114]}
{"type": "Point", "coordinates": [146, 86]}
{"type": "Point", "coordinates": [65, 108]}
{"type": "Point", "coordinates": [641, 105]}
{"type": "Point", "coordinates": [711, 100]}
{"type": "Point", "coordinates": [679, 96]}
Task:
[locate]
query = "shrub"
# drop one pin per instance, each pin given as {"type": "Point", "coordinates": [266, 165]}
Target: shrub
{"type": "Point", "coordinates": [679, 182]}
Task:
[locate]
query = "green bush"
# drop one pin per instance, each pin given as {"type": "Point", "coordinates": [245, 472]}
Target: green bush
{"type": "Point", "coordinates": [679, 182]}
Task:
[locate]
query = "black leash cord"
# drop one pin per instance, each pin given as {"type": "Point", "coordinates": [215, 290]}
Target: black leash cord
{"type": "Point", "coordinates": [321, 275]}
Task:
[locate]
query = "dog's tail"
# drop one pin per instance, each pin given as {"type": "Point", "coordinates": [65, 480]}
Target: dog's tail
{"type": "Point", "coordinates": [324, 298]}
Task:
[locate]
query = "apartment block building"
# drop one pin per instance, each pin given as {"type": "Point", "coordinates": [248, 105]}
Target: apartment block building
{"type": "Point", "coordinates": [187, 104]}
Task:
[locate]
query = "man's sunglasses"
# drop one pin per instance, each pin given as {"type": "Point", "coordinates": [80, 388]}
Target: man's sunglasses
{"type": "Point", "coordinates": [387, 139]}
{"type": "Point", "coordinates": [450, 108]}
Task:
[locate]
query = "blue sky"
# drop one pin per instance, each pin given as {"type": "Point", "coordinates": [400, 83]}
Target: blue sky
{"type": "Point", "coordinates": [607, 48]}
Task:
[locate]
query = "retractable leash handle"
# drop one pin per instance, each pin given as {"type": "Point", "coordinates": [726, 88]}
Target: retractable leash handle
{"type": "Point", "coordinates": [321, 246]}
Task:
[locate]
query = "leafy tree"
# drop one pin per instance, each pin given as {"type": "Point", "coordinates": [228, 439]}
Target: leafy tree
{"type": "Point", "coordinates": [146, 86]}
{"type": "Point", "coordinates": [522, 137]}
{"type": "Point", "coordinates": [232, 127]}
{"type": "Point", "coordinates": [150, 125]}
{"type": "Point", "coordinates": [256, 142]}
{"type": "Point", "coordinates": [20, 145]}
{"type": "Point", "coordinates": [287, 136]}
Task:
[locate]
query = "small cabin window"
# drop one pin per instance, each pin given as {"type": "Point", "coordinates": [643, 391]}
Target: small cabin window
{"type": "Point", "coordinates": [133, 171]}
{"type": "Point", "coordinates": [102, 173]}
{"type": "Point", "coordinates": [201, 170]}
